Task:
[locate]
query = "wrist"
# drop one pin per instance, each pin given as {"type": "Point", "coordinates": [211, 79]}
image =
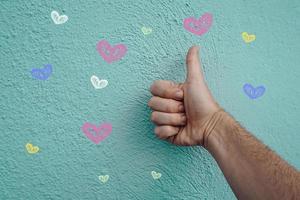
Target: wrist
{"type": "Point", "coordinates": [222, 136]}
{"type": "Point", "coordinates": [217, 124]}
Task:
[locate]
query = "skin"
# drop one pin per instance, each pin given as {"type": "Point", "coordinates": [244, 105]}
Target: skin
{"type": "Point", "coordinates": [187, 114]}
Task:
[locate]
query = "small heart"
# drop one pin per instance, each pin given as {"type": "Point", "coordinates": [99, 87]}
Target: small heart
{"type": "Point", "coordinates": [111, 53]}
{"type": "Point", "coordinates": [155, 175]}
{"type": "Point", "coordinates": [252, 92]}
{"type": "Point", "coordinates": [104, 178]}
{"type": "Point", "coordinates": [98, 84]}
{"type": "Point", "coordinates": [96, 133]}
{"type": "Point", "coordinates": [146, 30]}
{"type": "Point", "coordinates": [58, 19]}
{"type": "Point", "coordinates": [198, 26]}
{"type": "Point", "coordinates": [43, 73]}
{"type": "Point", "coordinates": [248, 38]}
{"type": "Point", "coordinates": [32, 149]}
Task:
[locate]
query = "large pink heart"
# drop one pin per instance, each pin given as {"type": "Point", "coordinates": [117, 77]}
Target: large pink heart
{"type": "Point", "coordinates": [198, 26]}
{"type": "Point", "coordinates": [96, 133]}
{"type": "Point", "coordinates": [111, 53]}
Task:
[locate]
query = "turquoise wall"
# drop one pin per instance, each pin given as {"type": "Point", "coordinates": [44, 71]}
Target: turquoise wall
{"type": "Point", "coordinates": [47, 109]}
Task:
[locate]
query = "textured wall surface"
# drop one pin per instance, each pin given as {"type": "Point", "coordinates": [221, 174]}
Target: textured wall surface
{"type": "Point", "coordinates": [50, 113]}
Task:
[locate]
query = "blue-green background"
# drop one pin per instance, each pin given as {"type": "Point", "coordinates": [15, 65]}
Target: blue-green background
{"type": "Point", "coordinates": [50, 113]}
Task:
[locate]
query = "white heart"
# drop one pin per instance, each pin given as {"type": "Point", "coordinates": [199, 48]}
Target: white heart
{"type": "Point", "coordinates": [98, 84]}
{"type": "Point", "coordinates": [58, 19]}
{"type": "Point", "coordinates": [146, 30]}
{"type": "Point", "coordinates": [155, 175]}
{"type": "Point", "coordinates": [104, 178]}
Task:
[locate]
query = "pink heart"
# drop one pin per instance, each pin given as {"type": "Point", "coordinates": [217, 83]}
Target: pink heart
{"type": "Point", "coordinates": [198, 26]}
{"type": "Point", "coordinates": [96, 133]}
{"type": "Point", "coordinates": [111, 53]}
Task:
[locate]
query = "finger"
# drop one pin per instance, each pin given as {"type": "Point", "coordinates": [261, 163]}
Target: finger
{"type": "Point", "coordinates": [193, 64]}
{"type": "Point", "coordinates": [164, 132]}
{"type": "Point", "coordinates": [166, 105]}
{"type": "Point", "coordinates": [174, 119]}
{"type": "Point", "coordinates": [167, 89]}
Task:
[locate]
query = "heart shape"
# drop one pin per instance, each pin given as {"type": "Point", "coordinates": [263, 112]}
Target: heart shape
{"type": "Point", "coordinates": [248, 37]}
{"type": "Point", "coordinates": [155, 175]}
{"type": "Point", "coordinates": [32, 149]}
{"type": "Point", "coordinates": [198, 26]}
{"type": "Point", "coordinates": [111, 53]}
{"type": "Point", "coordinates": [146, 30]}
{"type": "Point", "coordinates": [96, 133]}
{"type": "Point", "coordinates": [58, 19]}
{"type": "Point", "coordinates": [103, 178]}
{"type": "Point", "coordinates": [42, 74]}
{"type": "Point", "coordinates": [252, 92]}
{"type": "Point", "coordinates": [98, 84]}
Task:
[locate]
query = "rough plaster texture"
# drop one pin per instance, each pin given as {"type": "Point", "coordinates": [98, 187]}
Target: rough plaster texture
{"type": "Point", "coordinates": [50, 113]}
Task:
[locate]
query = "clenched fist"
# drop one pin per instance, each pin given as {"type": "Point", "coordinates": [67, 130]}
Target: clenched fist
{"type": "Point", "coordinates": [184, 113]}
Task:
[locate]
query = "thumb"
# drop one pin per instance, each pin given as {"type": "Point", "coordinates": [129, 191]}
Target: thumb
{"type": "Point", "coordinates": [193, 64]}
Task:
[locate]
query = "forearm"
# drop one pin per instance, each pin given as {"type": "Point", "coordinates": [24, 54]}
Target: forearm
{"type": "Point", "coordinates": [252, 169]}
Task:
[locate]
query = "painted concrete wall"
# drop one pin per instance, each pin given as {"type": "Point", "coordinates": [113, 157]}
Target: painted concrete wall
{"type": "Point", "coordinates": [49, 105]}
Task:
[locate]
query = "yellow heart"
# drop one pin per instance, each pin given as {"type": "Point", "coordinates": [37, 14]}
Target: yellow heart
{"type": "Point", "coordinates": [104, 178]}
{"type": "Point", "coordinates": [155, 175]}
{"type": "Point", "coordinates": [247, 37]}
{"type": "Point", "coordinates": [146, 30]}
{"type": "Point", "coordinates": [32, 149]}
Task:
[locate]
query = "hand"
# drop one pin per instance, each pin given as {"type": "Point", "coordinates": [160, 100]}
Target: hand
{"type": "Point", "coordinates": [184, 112]}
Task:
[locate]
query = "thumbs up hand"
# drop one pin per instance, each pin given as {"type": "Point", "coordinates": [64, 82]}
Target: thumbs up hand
{"type": "Point", "coordinates": [184, 113]}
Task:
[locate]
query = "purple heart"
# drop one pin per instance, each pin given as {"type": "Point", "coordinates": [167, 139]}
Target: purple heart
{"type": "Point", "coordinates": [43, 73]}
{"type": "Point", "coordinates": [198, 26]}
{"type": "Point", "coordinates": [252, 92]}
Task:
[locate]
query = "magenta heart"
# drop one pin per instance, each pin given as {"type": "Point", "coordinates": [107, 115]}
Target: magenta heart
{"type": "Point", "coordinates": [111, 53]}
{"type": "Point", "coordinates": [198, 26]}
{"type": "Point", "coordinates": [96, 133]}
